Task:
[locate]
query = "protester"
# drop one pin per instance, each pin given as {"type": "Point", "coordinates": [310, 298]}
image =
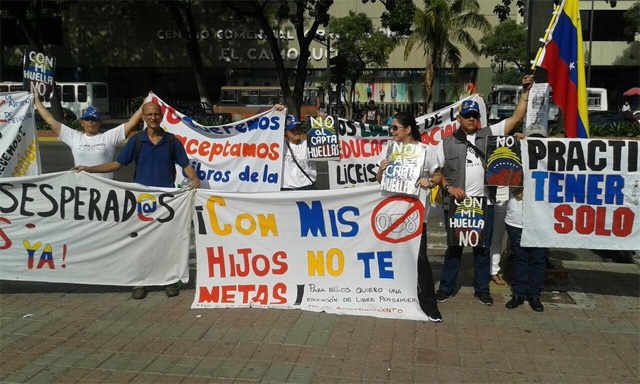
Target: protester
{"type": "Point", "coordinates": [396, 110]}
{"type": "Point", "coordinates": [420, 111]}
{"type": "Point", "coordinates": [155, 165]}
{"type": "Point", "coordinates": [297, 171]}
{"type": "Point", "coordinates": [372, 114]}
{"type": "Point", "coordinates": [404, 129]}
{"type": "Point", "coordinates": [90, 147]}
{"type": "Point", "coordinates": [499, 212]}
{"type": "Point", "coordinates": [462, 156]}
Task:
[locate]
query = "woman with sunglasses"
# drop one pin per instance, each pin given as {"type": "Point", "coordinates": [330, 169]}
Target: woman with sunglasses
{"type": "Point", "coordinates": [90, 147]}
{"type": "Point", "coordinates": [404, 129]}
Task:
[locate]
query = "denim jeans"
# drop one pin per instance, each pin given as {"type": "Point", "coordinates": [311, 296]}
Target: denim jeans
{"type": "Point", "coordinates": [528, 266]}
{"type": "Point", "coordinates": [481, 261]}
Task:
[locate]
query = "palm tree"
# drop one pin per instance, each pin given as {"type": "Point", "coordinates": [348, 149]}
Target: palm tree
{"type": "Point", "coordinates": [438, 28]}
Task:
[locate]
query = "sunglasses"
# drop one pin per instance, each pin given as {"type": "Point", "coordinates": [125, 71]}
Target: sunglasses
{"type": "Point", "coordinates": [93, 119]}
{"type": "Point", "coordinates": [394, 128]}
{"type": "Point", "coordinates": [470, 115]}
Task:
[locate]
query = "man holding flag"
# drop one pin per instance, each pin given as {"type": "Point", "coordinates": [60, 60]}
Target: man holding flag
{"type": "Point", "coordinates": [563, 58]}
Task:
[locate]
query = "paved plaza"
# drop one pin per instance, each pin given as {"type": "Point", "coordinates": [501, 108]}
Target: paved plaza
{"type": "Point", "coordinates": [63, 333]}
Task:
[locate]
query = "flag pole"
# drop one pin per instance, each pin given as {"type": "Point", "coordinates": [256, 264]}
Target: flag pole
{"type": "Point", "coordinates": [556, 11]}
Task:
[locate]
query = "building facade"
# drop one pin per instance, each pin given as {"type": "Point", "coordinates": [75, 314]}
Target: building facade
{"type": "Point", "coordinates": [135, 47]}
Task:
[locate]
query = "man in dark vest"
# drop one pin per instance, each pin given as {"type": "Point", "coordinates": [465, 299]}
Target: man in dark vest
{"type": "Point", "coordinates": [463, 175]}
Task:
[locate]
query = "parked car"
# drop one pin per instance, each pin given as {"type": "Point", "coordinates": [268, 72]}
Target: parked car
{"type": "Point", "coordinates": [203, 113]}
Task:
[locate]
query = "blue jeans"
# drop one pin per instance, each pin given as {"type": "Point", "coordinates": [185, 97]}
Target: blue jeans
{"type": "Point", "coordinates": [528, 266]}
{"type": "Point", "coordinates": [481, 261]}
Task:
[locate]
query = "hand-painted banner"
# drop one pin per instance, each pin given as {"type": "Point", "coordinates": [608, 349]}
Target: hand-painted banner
{"type": "Point", "coordinates": [504, 163]}
{"type": "Point", "coordinates": [406, 162]}
{"type": "Point", "coordinates": [245, 156]}
{"type": "Point", "coordinates": [18, 143]}
{"type": "Point", "coordinates": [73, 227]}
{"type": "Point", "coordinates": [361, 144]}
{"type": "Point", "coordinates": [581, 194]}
{"type": "Point", "coordinates": [346, 251]}
{"type": "Point", "coordinates": [38, 72]}
{"type": "Point", "coordinates": [467, 222]}
{"type": "Point", "coordinates": [322, 138]}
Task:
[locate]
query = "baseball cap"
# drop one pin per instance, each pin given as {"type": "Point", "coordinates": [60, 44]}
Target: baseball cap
{"type": "Point", "coordinates": [535, 130]}
{"type": "Point", "coordinates": [291, 122]}
{"type": "Point", "coordinates": [469, 106]}
{"type": "Point", "coordinates": [90, 112]}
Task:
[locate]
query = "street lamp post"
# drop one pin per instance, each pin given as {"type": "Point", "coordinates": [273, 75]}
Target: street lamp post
{"type": "Point", "coordinates": [328, 74]}
{"type": "Point", "coordinates": [497, 67]}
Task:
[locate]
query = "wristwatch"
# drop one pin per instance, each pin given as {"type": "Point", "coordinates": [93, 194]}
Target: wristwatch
{"type": "Point", "coordinates": [446, 187]}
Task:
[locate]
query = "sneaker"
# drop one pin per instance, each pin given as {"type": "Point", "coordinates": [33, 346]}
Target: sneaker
{"type": "Point", "coordinates": [484, 298]}
{"type": "Point", "coordinates": [441, 297]}
{"type": "Point", "coordinates": [435, 316]}
{"type": "Point", "coordinates": [172, 290]}
{"type": "Point", "coordinates": [138, 293]}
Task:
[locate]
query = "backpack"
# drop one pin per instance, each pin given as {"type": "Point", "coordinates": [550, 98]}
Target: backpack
{"type": "Point", "coordinates": [172, 150]}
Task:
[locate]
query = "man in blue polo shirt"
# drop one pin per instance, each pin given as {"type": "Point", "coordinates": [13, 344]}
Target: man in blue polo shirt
{"type": "Point", "coordinates": [155, 165]}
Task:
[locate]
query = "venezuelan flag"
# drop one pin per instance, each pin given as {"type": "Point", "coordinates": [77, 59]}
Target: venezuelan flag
{"type": "Point", "coordinates": [563, 58]}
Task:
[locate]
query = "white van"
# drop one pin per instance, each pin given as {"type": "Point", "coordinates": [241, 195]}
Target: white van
{"type": "Point", "coordinates": [10, 86]}
{"type": "Point", "coordinates": [79, 95]}
{"type": "Point", "coordinates": [503, 98]}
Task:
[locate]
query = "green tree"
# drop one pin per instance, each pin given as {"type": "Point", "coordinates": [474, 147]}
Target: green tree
{"type": "Point", "coordinates": [182, 15]}
{"type": "Point", "coordinates": [507, 44]}
{"type": "Point", "coordinates": [439, 28]}
{"type": "Point", "coordinates": [360, 46]}
{"type": "Point", "coordinates": [632, 18]}
{"type": "Point", "coordinates": [269, 12]}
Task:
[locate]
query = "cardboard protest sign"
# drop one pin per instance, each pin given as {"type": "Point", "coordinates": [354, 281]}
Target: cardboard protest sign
{"type": "Point", "coordinates": [349, 251]}
{"type": "Point", "coordinates": [406, 164]}
{"type": "Point", "coordinates": [466, 221]}
{"type": "Point", "coordinates": [243, 156]}
{"type": "Point", "coordinates": [503, 161]}
{"type": "Point", "coordinates": [38, 72]}
{"type": "Point", "coordinates": [322, 138]}
{"type": "Point", "coordinates": [19, 155]}
{"type": "Point", "coordinates": [80, 228]}
{"type": "Point", "coordinates": [581, 193]}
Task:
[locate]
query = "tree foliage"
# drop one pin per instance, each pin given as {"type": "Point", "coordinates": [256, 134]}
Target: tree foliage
{"type": "Point", "coordinates": [359, 45]}
{"type": "Point", "coordinates": [632, 17]}
{"type": "Point", "coordinates": [268, 12]}
{"type": "Point", "coordinates": [503, 10]}
{"type": "Point", "coordinates": [397, 16]}
{"type": "Point", "coordinates": [507, 44]}
{"type": "Point", "coordinates": [439, 29]}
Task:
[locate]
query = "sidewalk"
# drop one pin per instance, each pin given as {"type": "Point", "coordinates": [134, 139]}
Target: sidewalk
{"type": "Point", "coordinates": [76, 333]}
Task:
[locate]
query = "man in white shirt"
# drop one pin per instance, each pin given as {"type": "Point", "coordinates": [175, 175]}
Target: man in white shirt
{"type": "Point", "coordinates": [90, 147]}
{"type": "Point", "coordinates": [462, 156]}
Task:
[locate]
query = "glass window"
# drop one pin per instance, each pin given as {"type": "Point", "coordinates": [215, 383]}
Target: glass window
{"type": "Point", "coordinates": [68, 93]}
{"type": "Point", "coordinates": [229, 97]}
{"type": "Point", "coordinates": [99, 91]}
{"type": "Point", "coordinates": [82, 93]}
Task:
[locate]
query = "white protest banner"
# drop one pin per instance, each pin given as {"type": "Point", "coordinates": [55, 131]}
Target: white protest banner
{"type": "Point", "coordinates": [406, 162]}
{"type": "Point", "coordinates": [71, 227]}
{"type": "Point", "coordinates": [38, 72]}
{"type": "Point", "coordinates": [245, 156]}
{"type": "Point", "coordinates": [581, 193]}
{"type": "Point", "coordinates": [347, 251]}
{"type": "Point", "coordinates": [361, 144]}
{"type": "Point", "coordinates": [19, 154]}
